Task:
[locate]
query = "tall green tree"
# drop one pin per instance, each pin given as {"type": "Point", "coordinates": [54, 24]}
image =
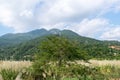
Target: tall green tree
{"type": "Point", "coordinates": [58, 51]}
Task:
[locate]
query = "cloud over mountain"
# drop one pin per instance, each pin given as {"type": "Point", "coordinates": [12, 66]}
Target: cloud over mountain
{"type": "Point", "coordinates": [81, 16]}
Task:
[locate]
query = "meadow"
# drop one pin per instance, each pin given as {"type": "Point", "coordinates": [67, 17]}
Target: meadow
{"type": "Point", "coordinates": [10, 70]}
{"type": "Point", "coordinates": [110, 68]}
{"type": "Point", "coordinates": [14, 65]}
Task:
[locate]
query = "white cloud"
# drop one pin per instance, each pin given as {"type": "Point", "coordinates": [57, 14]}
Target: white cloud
{"type": "Point", "coordinates": [86, 27]}
{"type": "Point", "coordinates": [26, 13]}
{"type": "Point", "coordinates": [75, 10]}
{"type": "Point", "coordinates": [15, 14]}
{"type": "Point", "coordinates": [81, 16]}
{"type": "Point", "coordinates": [92, 27]}
{"type": "Point", "coordinates": [5, 14]}
{"type": "Point", "coordinates": [111, 34]}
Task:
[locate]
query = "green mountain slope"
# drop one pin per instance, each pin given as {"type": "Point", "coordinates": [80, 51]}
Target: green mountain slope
{"type": "Point", "coordinates": [25, 44]}
{"type": "Point", "coordinates": [13, 39]}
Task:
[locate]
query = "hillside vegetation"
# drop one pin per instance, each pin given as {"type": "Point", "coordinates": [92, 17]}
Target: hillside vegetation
{"type": "Point", "coordinates": [22, 46]}
{"type": "Point", "coordinates": [61, 57]}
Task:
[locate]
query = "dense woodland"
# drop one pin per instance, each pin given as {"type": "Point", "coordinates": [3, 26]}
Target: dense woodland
{"type": "Point", "coordinates": [23, 46]}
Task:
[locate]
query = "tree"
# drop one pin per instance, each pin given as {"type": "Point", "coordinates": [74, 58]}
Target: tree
{"type": "Point", "coordinates": [55, 52]}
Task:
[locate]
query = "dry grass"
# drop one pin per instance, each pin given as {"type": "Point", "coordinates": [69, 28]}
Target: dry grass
{"type": "Point", "coordinates": [101, 63]}
{"type": "Point", "coordinates": [105, 62]}
{"type": "Point", "coordinates": [19, 65]}
{"type": "Point", "coordinates": [15, 65]}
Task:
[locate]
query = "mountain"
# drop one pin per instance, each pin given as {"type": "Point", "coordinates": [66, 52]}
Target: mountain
{"type": "Point", "coordinates": [23, 45]}
{"type": "Point", "coordinates": [13, 39]}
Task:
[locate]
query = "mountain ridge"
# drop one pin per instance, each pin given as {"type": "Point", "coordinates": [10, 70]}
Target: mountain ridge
{"type": "Point", "coordinates": [22, 48]}
{"type": "Point", "coordinates": [17, 38]}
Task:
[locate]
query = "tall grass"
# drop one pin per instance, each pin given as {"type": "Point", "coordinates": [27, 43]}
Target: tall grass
{"type": "Point", "coordinates": [8, 74]}
{"type": "Point", "coordinates": [105, 62]}
{"type": "Point", "coordinates": [10, 69]}
{"type": "Point", "coordinates": [110, 70]}
{"type": "Point", "coordinates": [15, 65]}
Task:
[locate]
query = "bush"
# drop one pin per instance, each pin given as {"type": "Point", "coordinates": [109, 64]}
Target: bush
{"type": "Point", "coordinates": [53, 55]}
{"type": "Point", "coordinates": [8, 74]}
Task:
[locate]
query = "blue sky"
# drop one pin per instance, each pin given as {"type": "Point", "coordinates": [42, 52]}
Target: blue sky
{"type": "Point", "coordinates": [4, 29]}
{"type": "Point", "coordinates": [98, 19]}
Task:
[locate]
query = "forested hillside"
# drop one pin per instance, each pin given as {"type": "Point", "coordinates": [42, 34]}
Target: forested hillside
{"type": "Point", "coordinates": [24, 45]}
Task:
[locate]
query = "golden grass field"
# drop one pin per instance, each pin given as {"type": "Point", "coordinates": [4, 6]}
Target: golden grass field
{"type": "Point", "coordinates": [101, 63]}
{"type": "Point", "coordinates": [105, 62]}
{"type": "Point", "coordinates": [17, 65]}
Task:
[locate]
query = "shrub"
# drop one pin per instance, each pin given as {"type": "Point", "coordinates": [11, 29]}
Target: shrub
{"type": "Point", "coordinates": [8, 74]}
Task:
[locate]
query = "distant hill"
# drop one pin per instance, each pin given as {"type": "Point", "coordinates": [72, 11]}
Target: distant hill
{"type": "Point", "coordinates": [23, 45]}
{"type": "Point", "coordinates": [13, 39]}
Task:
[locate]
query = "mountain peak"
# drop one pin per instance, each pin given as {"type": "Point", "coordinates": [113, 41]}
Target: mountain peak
{"type": "Point", "coordinates": [55, 31]}
{"type": "Point", "coordinates": [37, 31]}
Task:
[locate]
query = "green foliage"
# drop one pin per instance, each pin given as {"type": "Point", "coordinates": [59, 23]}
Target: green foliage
{"type": "Point", "coordinates": [82, 72]}
{"type": "Point", "coordinates": [16, 48]}
{"type": "Point", "coordinates": [111, 72]}
{"type": "Point", "coordinates": [8, 74]}
{"type": "Point", "coordinates": [53, 55]}
{"type": "Point", "coordinates": [57, 48]}
{"type": "Point", "coordinates": [68, 71]}
{"type": "Point", "coordinates": [27, 74]}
